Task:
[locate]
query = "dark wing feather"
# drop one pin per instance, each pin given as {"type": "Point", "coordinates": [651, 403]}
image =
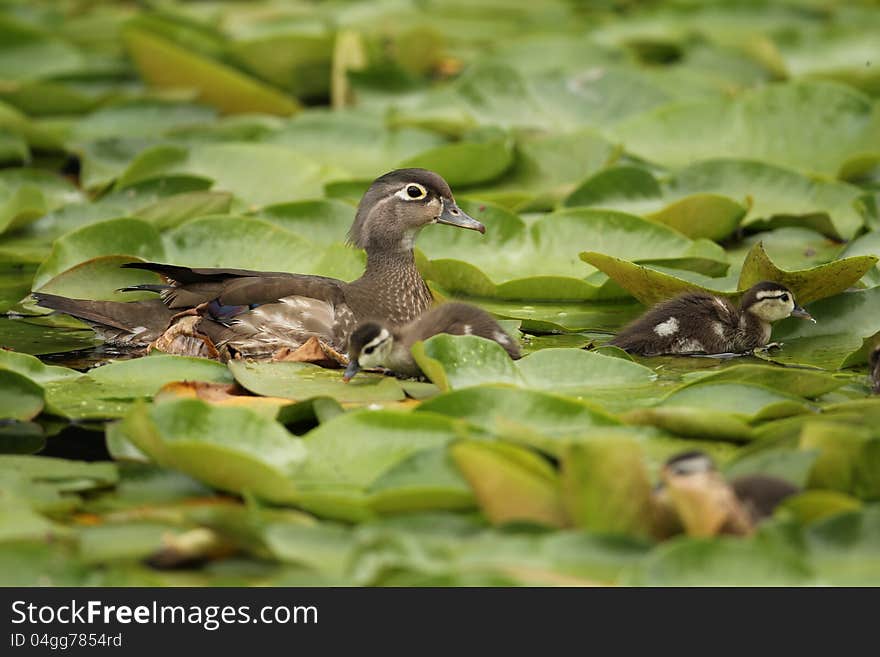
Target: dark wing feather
{"type": "Point", "coordinates": [184, 275]}
{"type": "Point", "coordinates": [192, 287]}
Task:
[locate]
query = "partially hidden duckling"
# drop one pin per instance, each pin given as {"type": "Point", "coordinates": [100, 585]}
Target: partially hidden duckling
{"type": "Point", "coordinates": [373, 344]}
{"type": "Point", "coordinates": [699, 322]}
{"type": "Point", "coordinates": [874, 369]}
{"type": "Point", "coordinates": [697, 499]}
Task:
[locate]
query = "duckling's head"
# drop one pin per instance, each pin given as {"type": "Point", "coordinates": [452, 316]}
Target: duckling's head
{"type": "Point", "coordinates": [399, 204]}
{"type": "Point", "coordinates": [369, 346]}
{"type": "Point", "coordinates": [688, 463]}
{"type": "Point", "coordinates": [771, 302]}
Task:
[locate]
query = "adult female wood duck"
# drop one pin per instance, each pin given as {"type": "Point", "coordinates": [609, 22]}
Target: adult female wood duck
{"type": "Point", "coordinates": [695, 498]}
{"type": "Point", "coordinates": [698, 322]}
{"type": "Point", "coordinates": [251, 313]}
{"type": "Point", "coordinates": [373, 344]}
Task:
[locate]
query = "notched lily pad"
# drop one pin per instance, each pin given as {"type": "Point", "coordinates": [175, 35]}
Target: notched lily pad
{"type": "Point", "coordinates": [808, 285]}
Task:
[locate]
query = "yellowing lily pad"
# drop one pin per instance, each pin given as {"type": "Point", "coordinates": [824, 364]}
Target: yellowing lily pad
{"type": "Point", "coordinates": [165, 64]}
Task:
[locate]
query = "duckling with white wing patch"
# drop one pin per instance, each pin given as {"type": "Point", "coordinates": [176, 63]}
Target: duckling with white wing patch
{"type": "Point", "coordinates": [702, 323]}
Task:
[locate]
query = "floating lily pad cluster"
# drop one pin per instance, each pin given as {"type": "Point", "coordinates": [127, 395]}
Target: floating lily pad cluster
{"type": "Point", "coordinates": [618, 154]}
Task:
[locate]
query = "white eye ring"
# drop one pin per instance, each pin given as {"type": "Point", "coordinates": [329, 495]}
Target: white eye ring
{"type": "Point", "coordinates": [406, 191]}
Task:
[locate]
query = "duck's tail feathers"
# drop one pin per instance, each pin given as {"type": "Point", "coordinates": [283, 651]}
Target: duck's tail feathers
{"type": "Point", "coordinates": [134, 323]}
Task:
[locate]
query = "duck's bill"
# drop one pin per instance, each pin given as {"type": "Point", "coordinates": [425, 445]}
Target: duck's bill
{"type": "Point", "coordinates": [452, 215]}
{"type": "Point", "coordinates": [800, 313]}
{"type": "Point", "coordinates": [352, 369]}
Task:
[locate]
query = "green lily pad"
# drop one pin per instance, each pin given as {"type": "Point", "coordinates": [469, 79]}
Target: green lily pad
{"type": "Point", "coordinates": [813, 505]}
{"type": "Point", "coordinates": [166, 64]}
{"type": "Point", "coordinates": [300, 381]}
{"type": "Point", "coordinates": [110, 390]}
{"type": "Point", "coordinates": [842, 549]}
{"type": "Point", "coordinates": [793, 466]}
{"type": "Point", "coordinates": [848, 458]}
{"type": "Point", "coordinates": [21, 438]}
{"type": "Point", "coordinates": [324, 221]}
{"type": "Point", "coordinates": [800, 382]}
{"type": "Point", "coordinates": [606, 487]}
{"type": "Point", "coordinates": [459, 361]}
{"type": "Point", "coordinates": [101, 278]}
{"type": "Point", "coordinates": [511, 483]}
{"type": "Point", "coordinates": [812, 127]}
{"type": "Point", "coordinates": [466, 163]}
{"type": "Point", "coordinates": [648, 284]}
{"type": "Point", "coordinates": [527, 416]}
{"type": "Point", "coordinates": [426, 480]}
{"type": "Point", "coordinates": [843, 322]}
{"type": "Point", "coordinates": [721, 561]}
{"type": "Point", "coordinates": [635, 190]}
{"type": "Point", "coordinates": [511, 269]}
{"type": "Point", "coordinates": [790, 248]}
{"type": "Point", "coordinates": [546, 166]}
{"type": "Point", "coordinates": [178, 208]}
{"type": "Point", "coordinates": [131, 237]}
{"type": "Point", "coordinates": [31, 338]}
{"type": "Point", "coordinates": [355, 145]}
{"type": "Point", "coordinates": [559, 317]}
{"type": "Point", "coordinates": [807, 285]}
{"type": "Point", "coordinates": [745, 401]}
{"type": "Point", "coordinates": [375, 442]}
{"type": "Point", "coordinates": [232, 449]}
{"type": "Point", "coordinates": [139, 118]}
{"type": "Point", "coordinates": [777, 196]}
{"type": "Point", "coordinates": [22, 399]}
{"type": "Point", "coordinates": [259, 174]}
{"type": "Point", "coordinates": [28, 194]}
{"type": "Point", "coordinates": [243, 242]}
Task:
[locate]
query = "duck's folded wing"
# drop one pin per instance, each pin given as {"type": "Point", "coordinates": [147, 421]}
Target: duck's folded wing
{"type": "Point", "coordinates": [233, 288]}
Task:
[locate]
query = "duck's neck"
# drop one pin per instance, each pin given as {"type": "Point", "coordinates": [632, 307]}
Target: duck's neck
{"type": "Point", "coordinates": [753, 331]}
{"type": "Point", "coordinates": [393, 285]}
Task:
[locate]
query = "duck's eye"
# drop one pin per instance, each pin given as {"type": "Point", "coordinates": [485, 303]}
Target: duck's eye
{"type": "Point", "coordinates": [413, 192]}
{"type": "Point", "coordinates": [784, 298]}
{"type": "Point", "coordinates": [368, 350]}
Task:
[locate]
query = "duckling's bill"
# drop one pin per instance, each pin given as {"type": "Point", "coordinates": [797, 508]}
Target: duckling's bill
{"type": "Point", "coordinates": [801, 313]}
{"type": "Point", "coordinates": [452, 215]}
{"type": "Point", "coordinates": [352, 369]}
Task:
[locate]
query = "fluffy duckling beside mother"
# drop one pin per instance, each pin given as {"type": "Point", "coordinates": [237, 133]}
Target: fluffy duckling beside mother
{"type": "Point", "coordinates": [702, 323]}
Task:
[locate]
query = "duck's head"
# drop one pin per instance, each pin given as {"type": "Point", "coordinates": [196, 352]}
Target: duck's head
{"type": "Point", "coordinates": [399, 204]}
{"type": "Point", "coordinates": [368, 346]}
{"type": "Point", "coordinates": [771, 302]}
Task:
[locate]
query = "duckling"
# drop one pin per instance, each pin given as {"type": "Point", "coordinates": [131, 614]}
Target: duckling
{"type": "Point", "coordinates": [695, 498]}
{"type": "Point", "coordinates": [251, 313]}
{"type": "Point", "coordinates": [874, 368]}
{"type": "Point", "coordinates": [698, 322]}
{"type": "Point", "coordinates": [373, 344]}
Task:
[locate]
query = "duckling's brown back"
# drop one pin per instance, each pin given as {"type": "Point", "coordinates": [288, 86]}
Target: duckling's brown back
{"type": "Point", "coordinates": [458, 318]}
{"type": "Point", "coordinates": [690, 323]}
